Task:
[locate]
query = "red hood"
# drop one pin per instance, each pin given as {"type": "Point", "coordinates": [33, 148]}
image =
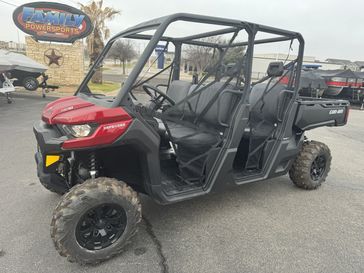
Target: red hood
{"type": "Point", "coordinates": [74, 110]}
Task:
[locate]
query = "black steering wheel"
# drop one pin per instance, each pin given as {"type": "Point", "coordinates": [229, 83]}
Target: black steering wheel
{"type": "Point", "coordinates": [157, 96]}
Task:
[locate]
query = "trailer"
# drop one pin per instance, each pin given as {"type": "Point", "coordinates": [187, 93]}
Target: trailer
{"type": "Point", "coordinates": [6, 84]}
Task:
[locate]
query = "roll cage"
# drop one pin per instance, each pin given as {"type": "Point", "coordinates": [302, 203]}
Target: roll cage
{"type": "Point", "coordinates": [161, 24]}
{"type": "Point", "coordinates": [218, 146]}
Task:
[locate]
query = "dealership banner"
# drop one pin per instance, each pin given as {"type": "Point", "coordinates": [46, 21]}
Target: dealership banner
{"type": "Point", "coordinates": [49, 21]}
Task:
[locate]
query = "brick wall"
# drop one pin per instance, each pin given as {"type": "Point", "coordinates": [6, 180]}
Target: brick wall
{"type": "Point", "coordinates": [70, 70]}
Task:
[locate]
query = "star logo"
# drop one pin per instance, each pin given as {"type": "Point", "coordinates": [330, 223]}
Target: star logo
{"type": "Point", "coordinates": [53, 56]}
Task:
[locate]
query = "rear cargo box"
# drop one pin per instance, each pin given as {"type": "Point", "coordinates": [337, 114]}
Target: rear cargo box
{"type": "Point", "coordinates": [313, 113]}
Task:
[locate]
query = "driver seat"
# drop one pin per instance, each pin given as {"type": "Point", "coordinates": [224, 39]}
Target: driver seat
{"type": "Point", "coordinates": [178, 90]}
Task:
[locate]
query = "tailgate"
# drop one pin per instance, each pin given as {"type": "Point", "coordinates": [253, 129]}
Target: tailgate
{"type": "Point", "coordinates": [313, 113]}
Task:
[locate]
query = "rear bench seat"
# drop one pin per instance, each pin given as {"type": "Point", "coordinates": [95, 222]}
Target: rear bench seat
{"type": "Point", "coordinates": [194, 141]}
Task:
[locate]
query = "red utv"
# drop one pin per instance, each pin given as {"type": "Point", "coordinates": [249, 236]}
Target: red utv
{"type": "Point", "coordinates": [174, 136]}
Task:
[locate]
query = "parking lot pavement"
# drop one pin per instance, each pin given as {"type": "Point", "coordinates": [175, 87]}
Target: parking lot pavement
{"type": "Point", "coordinates": [268, 226]}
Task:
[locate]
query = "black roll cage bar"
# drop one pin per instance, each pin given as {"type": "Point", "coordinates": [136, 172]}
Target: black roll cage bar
{"type": "Point", "coordinates": [161, 24]}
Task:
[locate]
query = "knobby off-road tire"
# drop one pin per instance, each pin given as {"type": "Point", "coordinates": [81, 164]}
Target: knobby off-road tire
{"type": "Point", "coordinates": [87, 199]}
{"type": "Point", "coordinates": [312, 155]}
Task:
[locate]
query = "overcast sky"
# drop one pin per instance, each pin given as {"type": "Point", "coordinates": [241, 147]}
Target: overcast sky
{"type": "Point", "coordinates": [331, 28]}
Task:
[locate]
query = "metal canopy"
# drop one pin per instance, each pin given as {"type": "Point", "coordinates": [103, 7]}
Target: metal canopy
{"type": "Point", "coordinates": [209, 44]}
{"type": "Point", "coordinates": [231, 23]}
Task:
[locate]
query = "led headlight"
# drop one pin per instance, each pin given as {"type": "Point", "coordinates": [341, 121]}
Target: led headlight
{"type": "Point", "coordinates": [82, 130]}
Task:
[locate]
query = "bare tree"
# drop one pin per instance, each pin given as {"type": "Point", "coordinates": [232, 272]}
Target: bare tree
{"type": "Point", "coordinates": [202, 57]}
{"type": "Point", "coordinates": [234, 54]}
{"type": "Point", "coordinates": [123, 50]}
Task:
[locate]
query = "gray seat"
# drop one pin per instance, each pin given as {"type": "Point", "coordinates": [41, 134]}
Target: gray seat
{"type": "Point", "coordinates": [206, 133]}
{"type": "Point", "coordinates": [267, 108]}
{"type": "Point", "coordinates": [194, 106]}
{"type": "Point", "coordinates": [178, 90]}
{"type": "Point", "coordinates": [196, 139]}
{"type": "Point", "coordinates": [263, 120]}
{"type": "Point", "coordinates": [193, 138]}
{"type": "Point", "coordinates": [214, 112]}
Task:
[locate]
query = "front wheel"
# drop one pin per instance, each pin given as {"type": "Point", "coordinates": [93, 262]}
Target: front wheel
{"type": "Point", "coordinates": [95, 220]}
{"type": "Point", "coordinates": [311, 166]}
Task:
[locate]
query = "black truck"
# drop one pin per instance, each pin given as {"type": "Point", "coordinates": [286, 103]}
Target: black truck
{"type": "Point", "coordinates": [191, 137]}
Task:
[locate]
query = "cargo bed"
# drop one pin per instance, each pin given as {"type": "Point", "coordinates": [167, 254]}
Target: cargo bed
{"type": "Point", "coordinates": [316, 112]}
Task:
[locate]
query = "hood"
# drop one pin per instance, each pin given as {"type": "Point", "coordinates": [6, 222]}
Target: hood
{"type": "Point", "coordinates": [74, 110]}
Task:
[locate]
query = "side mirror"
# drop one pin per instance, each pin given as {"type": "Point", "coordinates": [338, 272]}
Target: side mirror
{"type": "Point", "coordinates": [275, 69]}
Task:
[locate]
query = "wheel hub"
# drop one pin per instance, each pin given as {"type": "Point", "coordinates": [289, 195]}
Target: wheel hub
{"type": "Point", "coordinates": [101, 226]}
{"type": "Point", "coordinates": [318, 167]}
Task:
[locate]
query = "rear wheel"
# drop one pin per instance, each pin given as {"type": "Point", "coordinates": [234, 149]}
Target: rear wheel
{"type": "Point", "coordinates": [94, 221]}
{"type": "Point", "coordinates": [311, 166]}
{"type": "Point", "coordinates": [30, 83]}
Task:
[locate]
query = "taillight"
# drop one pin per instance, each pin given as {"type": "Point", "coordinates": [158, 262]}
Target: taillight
{"type": "Point", "coordinates": [284, 80]}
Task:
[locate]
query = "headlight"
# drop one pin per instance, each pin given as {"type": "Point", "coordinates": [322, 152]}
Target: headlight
{"type": "Point", "coordinates": [82, 130]}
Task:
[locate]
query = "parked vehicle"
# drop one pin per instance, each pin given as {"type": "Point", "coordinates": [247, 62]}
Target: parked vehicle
{"type": "Point", "coordinates": [312, 84]}
{"type": "Point", "coordinates": [339, 80]}
{"type": "Point", "coordinates": [338, 84]}
{"type": "Point", "coordinates": [28, 80]}
{"type": "Point", "coordinates": [100, 151]}
{"type": "Point", "coordinates": [25, 70]}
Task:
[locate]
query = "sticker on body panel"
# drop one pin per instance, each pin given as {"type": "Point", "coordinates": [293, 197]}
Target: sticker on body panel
{"type": "Point", "coordinates": [336, 111]}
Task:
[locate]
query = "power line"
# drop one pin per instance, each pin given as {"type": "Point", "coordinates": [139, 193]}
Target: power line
{"type": "Point", "coordinates": [11, 4]}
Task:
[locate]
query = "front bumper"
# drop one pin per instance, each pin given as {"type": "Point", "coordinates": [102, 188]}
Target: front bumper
{"type": "Point", "coordinates": [48, 137]}
{"type": "Point", "coordinates": [50, 180]}
{"type": "Point", "coordinates": [49, 141]}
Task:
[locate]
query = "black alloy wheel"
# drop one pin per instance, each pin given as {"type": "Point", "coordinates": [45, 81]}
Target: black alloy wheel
{"type": "Point", "coordinates": [318, 167]}
{"type": "Point", "coordinates": [101, 226]}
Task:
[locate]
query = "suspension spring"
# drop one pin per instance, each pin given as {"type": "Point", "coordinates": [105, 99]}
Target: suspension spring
{"type": "Point", "coordinates": [93, 165]}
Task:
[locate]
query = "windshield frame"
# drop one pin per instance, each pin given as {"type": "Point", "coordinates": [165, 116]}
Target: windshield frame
{"type": "Point", "coordinates": [104, 52]}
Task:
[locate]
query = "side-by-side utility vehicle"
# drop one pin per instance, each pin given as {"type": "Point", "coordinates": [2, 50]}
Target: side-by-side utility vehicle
{"type": "Point", "coordinates": [176, 133]}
